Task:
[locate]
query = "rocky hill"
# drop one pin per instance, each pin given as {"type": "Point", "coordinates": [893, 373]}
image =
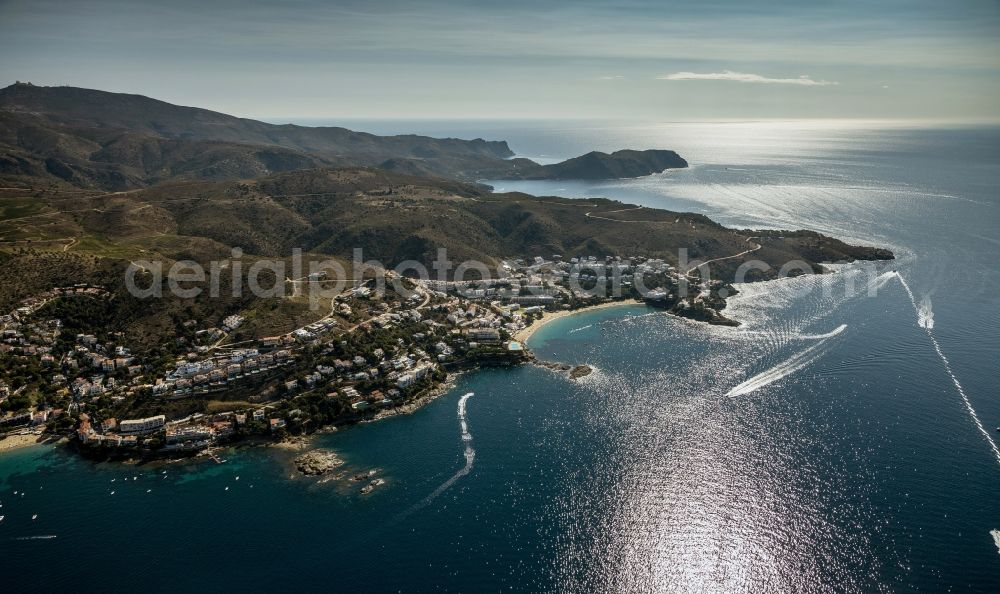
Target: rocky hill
{"type": "Point", "coordinates": [597, 165]}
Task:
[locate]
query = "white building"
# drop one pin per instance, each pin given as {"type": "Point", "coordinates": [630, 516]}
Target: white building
{"type": "Point", "coordinates": [142, 426]}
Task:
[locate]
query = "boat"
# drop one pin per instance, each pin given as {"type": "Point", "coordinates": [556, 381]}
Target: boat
{"type": "Point", "coordinates": [34, 516]}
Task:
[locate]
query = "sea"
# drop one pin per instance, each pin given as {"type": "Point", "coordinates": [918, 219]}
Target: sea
{"type": "Point", "coordinates": [842, 439]}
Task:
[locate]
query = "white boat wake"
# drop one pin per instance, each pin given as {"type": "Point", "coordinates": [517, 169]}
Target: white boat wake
{"type": "Point", "coordinates": [787, 367]}
{"type": "Point", "coordinates": [470, 457]}
{"type": "Point", "coordinates": [925, 319]}
{"type": "Point", "coordinates": [996, 538]}
{"type": "Point", "coordinates": [881, 280]}
{"type": "Point", "coordinates": [829, 334]}
{"type": "Point", "coordinates": [925, 316]}
{"type": "Point", "coordinates": [639, 316]}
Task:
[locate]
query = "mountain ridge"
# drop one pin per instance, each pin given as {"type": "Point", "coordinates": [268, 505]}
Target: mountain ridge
{"type": "Point", "coordinates": [137, 113]}
{"type": "Point", "coordinates": [117, 141]}
{"type": "Point", "coordinates": [97, 139]}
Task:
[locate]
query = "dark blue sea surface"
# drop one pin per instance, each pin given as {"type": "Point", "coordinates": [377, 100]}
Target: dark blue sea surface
{"type": "Point", "coordinates": [836, 441]}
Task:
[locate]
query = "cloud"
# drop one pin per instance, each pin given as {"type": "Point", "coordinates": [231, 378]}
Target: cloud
{"type": "Point", "coordinates": [744, 77]}
{"type": "Point", "coordinates": [615, 77]}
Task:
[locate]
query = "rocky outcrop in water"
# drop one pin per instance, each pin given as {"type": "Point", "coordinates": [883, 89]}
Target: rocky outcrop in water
{"type": "Point", "coordinates": [317, 462]}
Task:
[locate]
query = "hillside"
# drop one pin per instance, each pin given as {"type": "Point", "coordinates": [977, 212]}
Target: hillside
{"type": "Point", "coordinates": [114, 141]}
{"type": "Point", "coordinates": [392, 217]}
{"type": "Point", "coordinates": [90, 181]}
{"type": "Point", "coordinates": [67, 136]}
{"type": "Point", "coordinates": [79, 108]}
{"type": "Point", "coordinates": [54, 237]}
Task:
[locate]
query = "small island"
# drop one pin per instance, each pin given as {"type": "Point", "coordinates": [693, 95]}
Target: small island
{"type": "Point", "coordinates": [596, 165]}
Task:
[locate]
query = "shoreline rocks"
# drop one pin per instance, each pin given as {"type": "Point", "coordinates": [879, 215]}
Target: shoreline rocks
{"type": "Point", "coordinates": [317, 462]}
{"type": "Point", "coordinates": [573, 371]}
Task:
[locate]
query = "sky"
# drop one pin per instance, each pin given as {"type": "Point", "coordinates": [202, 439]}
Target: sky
{"type": "Point", "coordinates": [634, 59]}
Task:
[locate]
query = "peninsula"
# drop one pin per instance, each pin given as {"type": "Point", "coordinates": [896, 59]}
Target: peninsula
{"type": "Point", "coordinates": [100, 189]}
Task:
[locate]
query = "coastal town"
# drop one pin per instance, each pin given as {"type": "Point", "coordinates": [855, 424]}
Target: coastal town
{"type": "Point", "coordinates": [379, 351]}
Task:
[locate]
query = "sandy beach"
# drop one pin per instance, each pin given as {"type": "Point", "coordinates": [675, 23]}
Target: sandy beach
{"type": "Point", "coordinates": [524, 334]}
{"type": "Point", "coordinates": [18, 440]}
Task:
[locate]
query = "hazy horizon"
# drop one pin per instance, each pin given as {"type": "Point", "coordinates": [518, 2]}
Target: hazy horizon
{"type": "Point", "coordinates": [581, 60]}
{"type": "Point", "coordinates": [323, 120]}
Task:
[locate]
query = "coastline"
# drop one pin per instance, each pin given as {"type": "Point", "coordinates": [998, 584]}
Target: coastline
{"type": "Point", "coordinates": [295, 443]}
{"type": "Point", "coordinates": [301, 442]}
{"type": "Point", "coordinates": [417, 403]}
{"type": "Point", "coordinates": [17, 441]}
{"type": "Point", "coordinates": [298, 443]}
{"type": "Point", "coordinates": [524, 334]}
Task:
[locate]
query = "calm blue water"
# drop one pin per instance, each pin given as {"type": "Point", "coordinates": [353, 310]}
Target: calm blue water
{"type": "Point", "coordinates": [780, 456]}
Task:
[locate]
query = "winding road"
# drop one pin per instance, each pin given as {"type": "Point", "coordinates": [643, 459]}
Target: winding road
{"type": "Point", "coordinates": [756, 247]}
